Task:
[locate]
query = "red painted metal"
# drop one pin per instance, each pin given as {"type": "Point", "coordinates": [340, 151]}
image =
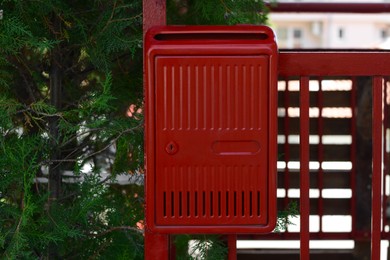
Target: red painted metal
{"type": "Point", "coordinates": [154, 13]}
{"type": "Point", "coordinates": [286, 148]}
{"type": "Point", "coordinates": [334, 63]}
{"type": "Point", "coordinates": [320, 154]}
{"type": "Point", "coordinates": [342, 67]}
{"type": "Point", "coordinates": [232, 245]}
{"type": "Point", "coordinates": [384, 149]}
{"type": "Point", "coordinates": [293, 64]}
{"type": "Point", "coordinates": [360, 236]}
{"type": "Point", "coordinates": [156, 245]}
{"type": "Point", "coordinates": [353, 155]}
{"type": "Point", "coordinates": [304, 167]}
{"type": "Point", "coordinates": [310, 7]}
{"type": "Point", "coordinates": [211, 129]}
{"type": "Point", "coordinates": [377, 232]}
{"type": "Point", "coordinates": [376, 167]}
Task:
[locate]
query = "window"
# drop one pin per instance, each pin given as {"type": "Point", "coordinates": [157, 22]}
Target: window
{"type": "Point", "coordinates": [282, 33]}
{"type": "Point", "coordinates": [297, 33]}
{"type": "Point", "coordinates": [384, 34]}
{"type": "Point", "coordinates": [341, 33]}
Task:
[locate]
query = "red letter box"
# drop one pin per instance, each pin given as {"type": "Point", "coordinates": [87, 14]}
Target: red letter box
{"type": "Point", "coordinates": [211, 115]}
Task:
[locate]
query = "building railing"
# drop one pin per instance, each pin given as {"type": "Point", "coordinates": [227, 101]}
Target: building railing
{"type": "Point", "coordinates": [308, 109]}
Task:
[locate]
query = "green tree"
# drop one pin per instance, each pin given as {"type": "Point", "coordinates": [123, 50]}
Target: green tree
{"type": "Point", "coordinates": [216, 12]}
{"type": "Point", "coordinates": [71, 122]}
{"type": "Point", "coordinates": [69, 72]}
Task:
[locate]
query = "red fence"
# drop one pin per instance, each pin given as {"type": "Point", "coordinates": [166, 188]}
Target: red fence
{"type": "Point", "coordinates": [302, 113]}
{"type": "Point", "coordinates": [318, 117]}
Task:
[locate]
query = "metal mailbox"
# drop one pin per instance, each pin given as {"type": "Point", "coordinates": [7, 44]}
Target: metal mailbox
{"type": "Point", "coordinates": [211, 129]}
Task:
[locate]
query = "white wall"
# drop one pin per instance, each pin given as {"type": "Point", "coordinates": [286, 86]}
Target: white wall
{"type": "Point", "coordinates": [358, 30]}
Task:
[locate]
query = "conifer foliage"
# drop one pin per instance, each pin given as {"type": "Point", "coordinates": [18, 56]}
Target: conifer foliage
{"type": "Point", "coordinates": [216, 12]}
{"type": "Point", "coordinates": [71, 122]}
{"type": "Point", "coordinates": [70, 97]}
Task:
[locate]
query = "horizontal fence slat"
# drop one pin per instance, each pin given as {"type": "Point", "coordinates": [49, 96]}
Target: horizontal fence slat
{"type": "Point", "coordinates": [362, 236]}
{"type": "Point", "coordinates": [332, 126]}
{"type": "Point", "coordinates": [331, 180]}
{"type": "Point", "coordinates": [330, 152]}
{"type": "Point", "coordinates": [330, 98]}
{"type": "Point", "coordinates": [330, 206]}
{"type": "Point", "coordinates": [333, 63]}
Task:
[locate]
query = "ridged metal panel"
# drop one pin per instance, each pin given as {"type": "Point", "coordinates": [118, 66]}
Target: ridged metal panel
{"type": "Point", "coordinates": [212, 96]}
{"type": "Point", "coordinates": [213, 109]}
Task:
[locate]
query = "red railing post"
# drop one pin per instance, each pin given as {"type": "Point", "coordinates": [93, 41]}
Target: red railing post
{"type": "Point", "coordinates": [154, 13]}
{"type": "Point", "coordinates": [232, 245]}
{"type": "Point", "coordinates": [353, 155]}
{"type": "Point", "coordinates": [156, 246]}
{"type": "Point", "coordinates": [376, 167]}
{"type": "Point", "coordinates": [320, 129]}
{"type": "Point", "coordinates": [286, 147]}
{"type": "Point", "coordinates": [304, 167]}
{"type": "Point", "coordinates": [385, 141]}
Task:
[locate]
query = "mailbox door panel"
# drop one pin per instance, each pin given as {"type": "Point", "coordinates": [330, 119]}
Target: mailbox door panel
{"type": "Point", "coordinates": [211, 140]}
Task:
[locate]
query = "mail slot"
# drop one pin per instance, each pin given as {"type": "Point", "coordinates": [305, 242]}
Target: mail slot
{"type": "Point", "coordinates": [210, 129]}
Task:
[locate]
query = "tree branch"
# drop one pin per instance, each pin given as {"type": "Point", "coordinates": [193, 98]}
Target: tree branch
{"type": "Point", "coordinates": [109, 144]}
{"type": "Point", "coordinates": [114, 140]}
{"type": "Point", "coordinates": [116, 229]}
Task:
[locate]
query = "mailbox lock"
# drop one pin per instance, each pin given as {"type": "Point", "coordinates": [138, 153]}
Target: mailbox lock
{"type": "Point", "coordinates": [171, 148]}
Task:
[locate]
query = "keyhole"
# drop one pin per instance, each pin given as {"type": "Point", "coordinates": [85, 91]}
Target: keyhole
{"type": "Point", "coordinates": [171, 148]}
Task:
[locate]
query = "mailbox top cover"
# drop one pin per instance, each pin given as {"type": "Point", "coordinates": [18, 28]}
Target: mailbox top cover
{"type": "Point", "coordinates": [210, 129]}
{"type": "Point", "coordinates": [210, 39]}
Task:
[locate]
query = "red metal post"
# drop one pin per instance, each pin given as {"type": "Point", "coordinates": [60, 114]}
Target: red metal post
{"type": "Point", "coordinates": [353, 154]}
{"type": "Point", "coordinates": [154, 13]}
{"type": "Point", "coordinates": [232, 245]}
{"type": "Point", "coordinates": [286, 148]}
{"type": "Point", "coordinates": [156, 245]}
{"type": "Point", "coordinates": [376, 168]}
{"type": "Point", "coordinates": [320, 179]}
{"type": "Point", "coordinates": [304, 167]}
{"type": "Point", "coordinates": [384, 148]}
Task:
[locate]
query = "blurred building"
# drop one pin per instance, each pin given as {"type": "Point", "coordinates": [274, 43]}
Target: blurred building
{"type": "Point", "coordinates": [332, 30]}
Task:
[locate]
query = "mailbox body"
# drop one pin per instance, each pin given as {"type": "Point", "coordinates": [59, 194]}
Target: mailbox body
{"type": "Point", "coordinates": [210, 129]}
